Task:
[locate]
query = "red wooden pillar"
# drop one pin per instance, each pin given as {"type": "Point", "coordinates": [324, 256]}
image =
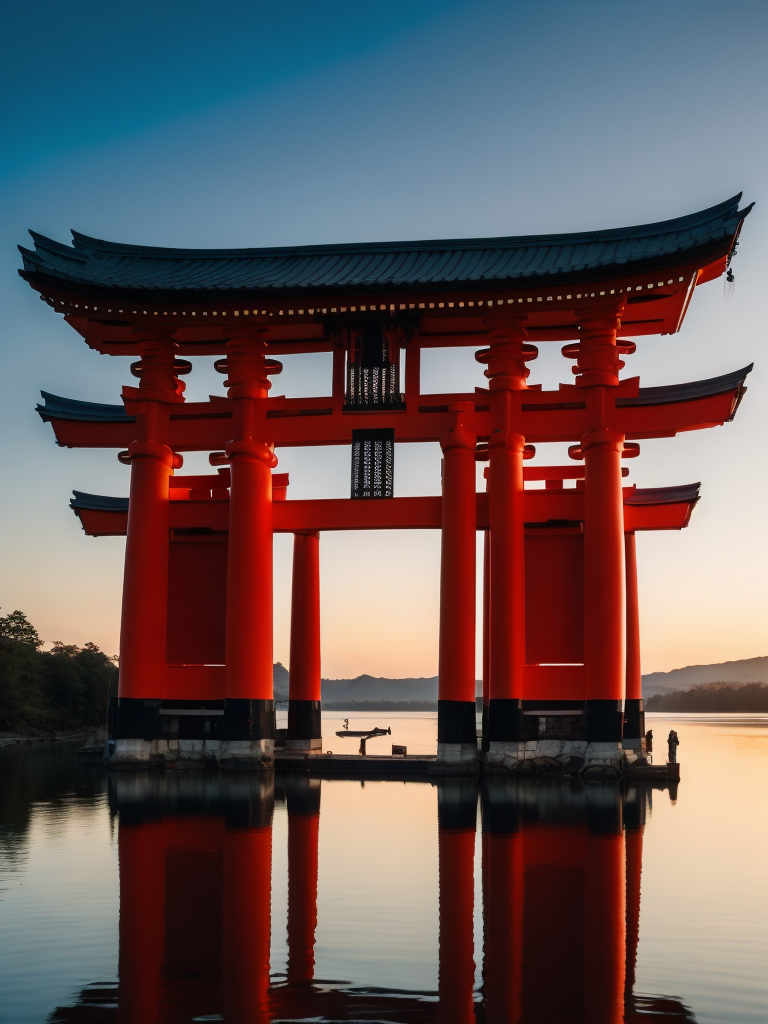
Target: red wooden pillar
{"type": "Point", "coordinates": [141, 854]}
{"type": "Point", "coordinates": [303, 800]}
{"type": "Point", "coordinates": [634, 712]}
{"type": "Point", "coordinates": [143, 629]}
{"type": "Point", "coordinates": [456, 722]}
{"type": "Point", "coordinates": [249, 701]}
{"type": "Point", "coordinates": [507, 373]}
{"type": "Point", "coordinates": [604, 587]}
{"type": "Point", "coordinates": [304, 727]}
{"type": "Point", "coordinates": [246, 916]}
{"type": "Point", "coordinates": [486, 634]}
{"type": "Point", "coordinates": [457, 818]}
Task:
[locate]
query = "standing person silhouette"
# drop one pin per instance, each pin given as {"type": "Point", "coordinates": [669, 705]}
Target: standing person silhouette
{"type": "Point", "coordinates": [673, 743]}
{"type": "Point", "coordinates": [649, 742]}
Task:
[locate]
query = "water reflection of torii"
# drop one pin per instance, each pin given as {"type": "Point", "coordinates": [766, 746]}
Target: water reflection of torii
{"type": "Point", "coordinates": [561, 886]}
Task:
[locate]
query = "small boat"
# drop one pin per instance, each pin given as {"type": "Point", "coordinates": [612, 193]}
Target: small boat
{"type": "Point", "coordinates": [364, 735]}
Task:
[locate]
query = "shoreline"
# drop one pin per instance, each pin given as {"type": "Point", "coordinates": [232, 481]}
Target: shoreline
{"type": "Point", "coordinates": [14, 739]}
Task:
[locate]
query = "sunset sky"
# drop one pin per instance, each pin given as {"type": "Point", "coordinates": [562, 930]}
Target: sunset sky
{"type": "Point", "coordinates": [200, 124]}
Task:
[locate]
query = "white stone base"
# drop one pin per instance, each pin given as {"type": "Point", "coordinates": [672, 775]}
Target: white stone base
{"type": "Point", "coordinates": [456, 753]}
{"type": "Point", "coordinates": [305, 746]}
{"type": "Point", "coordinates": [503, 754]}
{"type": "Point", "coordinates": [605, 753]}
{"type": "Point", "coordinates": [636, 744]}
{"type": "Point", "coordinates": [246, 754]}
{"type": "Point", "coordinates": [130, 754]}
{"type": "Point", "coordinates": [253, 754]}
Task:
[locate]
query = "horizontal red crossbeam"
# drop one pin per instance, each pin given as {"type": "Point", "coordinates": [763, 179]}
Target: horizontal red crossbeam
{"type": "Point", "coordinates": [544, 416]}
{"type": "Point", "coordinates": [543, 510]}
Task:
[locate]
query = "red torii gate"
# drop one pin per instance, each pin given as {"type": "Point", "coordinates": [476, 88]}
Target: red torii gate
{"type": "Point", "coordinates": [366, 304]}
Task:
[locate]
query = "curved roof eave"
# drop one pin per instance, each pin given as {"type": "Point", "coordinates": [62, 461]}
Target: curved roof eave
{"type": "Point", "coordinates": [446, 264]}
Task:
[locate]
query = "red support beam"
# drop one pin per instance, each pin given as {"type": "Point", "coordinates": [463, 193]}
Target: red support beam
{"type": "Point", "coordinates": [304, 727]}
{"type": "Point", "coordinates": [456, 729]}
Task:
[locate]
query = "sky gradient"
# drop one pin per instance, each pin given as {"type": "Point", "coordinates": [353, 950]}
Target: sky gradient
{"type": "Point", "coordinates": [249, 124]}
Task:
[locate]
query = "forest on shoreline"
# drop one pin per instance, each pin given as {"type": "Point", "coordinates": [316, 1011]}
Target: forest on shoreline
{"type": "Point", "coordinates": [710, 698]}
{"type": "Point", "coordinates": [60, 690]}
{"type": "Point", "coordinates": [67, 687]}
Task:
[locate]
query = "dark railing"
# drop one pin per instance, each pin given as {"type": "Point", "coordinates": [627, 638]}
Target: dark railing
{"type": "Point", "coordinates": [373, 387]}
{"type": "Point", "coordinates": [373, 463]}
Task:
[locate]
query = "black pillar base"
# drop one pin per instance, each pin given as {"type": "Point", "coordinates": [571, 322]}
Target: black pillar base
{"type": "Point", "coordinates": [143, 719]}
{"type": "Point", "coordinates": [457, 803]}
{"type": "Point", "coordinates": [249, 719]}
{"type": "Point", "coordinates": [133, 718]}
{"type": "Point", "coordinates": [456, 721]}
{"type": "Point", "coordinates": [605, 719]}
{"type": "Point", "coordinates": [634, 718]}
{"type": "Point", "coordinates": [304, 720]}
{"type": "Point", "coordinates": [505, 720]}
{"type": "Point", "coordinates": [486, 742]}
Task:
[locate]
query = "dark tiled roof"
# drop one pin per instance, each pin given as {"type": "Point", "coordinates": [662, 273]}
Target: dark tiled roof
{"type": "Point", "coordinates": [58, 408]}
{"type": "Point", "coordinates": [442, 264]}
{"type": "Point", "coordinates": [98, 502]}
{"type": "Point", "coordinates": [696, 389]}
{"type": "Point", "coordinates": [664, 495]}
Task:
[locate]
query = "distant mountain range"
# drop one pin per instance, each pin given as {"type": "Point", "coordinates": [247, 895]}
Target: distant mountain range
{"type": "Point", "coordinates": [379, 688]}
{"type": "Point", "coordinates": [748, 670]}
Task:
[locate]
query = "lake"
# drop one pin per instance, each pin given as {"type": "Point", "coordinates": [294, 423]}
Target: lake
{"type": "Point", "coordinates": [183, 896]}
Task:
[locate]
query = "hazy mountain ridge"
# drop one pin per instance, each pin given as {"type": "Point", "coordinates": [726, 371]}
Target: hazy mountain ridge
{"type": "Point", "coordinates": [748, 670]}
{"type": "Point", "coordinates": [381, 688]}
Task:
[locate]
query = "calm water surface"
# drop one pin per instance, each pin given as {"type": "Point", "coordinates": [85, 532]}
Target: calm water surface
{"type": "Point", "coordinates": [182, 896]}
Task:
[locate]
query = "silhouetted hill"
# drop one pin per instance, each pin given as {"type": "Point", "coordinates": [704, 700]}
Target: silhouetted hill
{"type": "Point", "coordinates": [748, 670]}
{"type": "Point", "coordinates": [714, 697]}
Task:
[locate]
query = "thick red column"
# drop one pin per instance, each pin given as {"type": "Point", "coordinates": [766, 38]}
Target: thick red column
{"type": "Point", "coordinates": [634, 712]}
{"type": "Point", "coordinates": [457, 816]}
{"type": "Point", "coordinates": [597, 370]}
{"type": "Point", "coordinates": [604, 586]}
{"type": "Point", "coordinates": [303, 800]}
{"type": "Point", "coordinates": [143, 629]}
{"type": "Point", "coordinates": [304, 727]}
{"type": "Point", "coordinates": [456, 728]}
{"type": "Point", "coordinates": [145, 582]}
{"type": "Point", "coordinates": [249, 708]}
{"type": "Point", "coordinates": [141, 855]}
{"type": "Point", "coordinates": [486, 633]}
{"type": "Point", "coordinates": [507, 373]}
{"type": "Point", "coordinates": [247, 921]}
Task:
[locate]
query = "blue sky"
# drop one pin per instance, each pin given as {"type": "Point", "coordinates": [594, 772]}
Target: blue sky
{"type": "Point", "coordinates": [242, 124]}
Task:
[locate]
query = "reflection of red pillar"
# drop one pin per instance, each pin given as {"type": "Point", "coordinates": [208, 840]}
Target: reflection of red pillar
{"type": "Point", "coordinates": [247, 895]}
{"type": "Point", "coordinates": [456, 850]}
{"type": "Point", "coordinates": [503, 969]}
{"type": "Point", "coordinates": [141, 852]}
{"type": "Point", "coordinates": [304, 729]}
{"type": "Point", "coordinates": [634, 714]}
{"type": "Point", "coordinates": [634, 865]}
{"type": "Point", "coordinates": [303, 798]}
{"type": "Point", "coordinates": [604, 929]}
{"type": "Point", "coordinates": [456, 728]}
{"type": "Point", "coordinates": [249, 709]}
